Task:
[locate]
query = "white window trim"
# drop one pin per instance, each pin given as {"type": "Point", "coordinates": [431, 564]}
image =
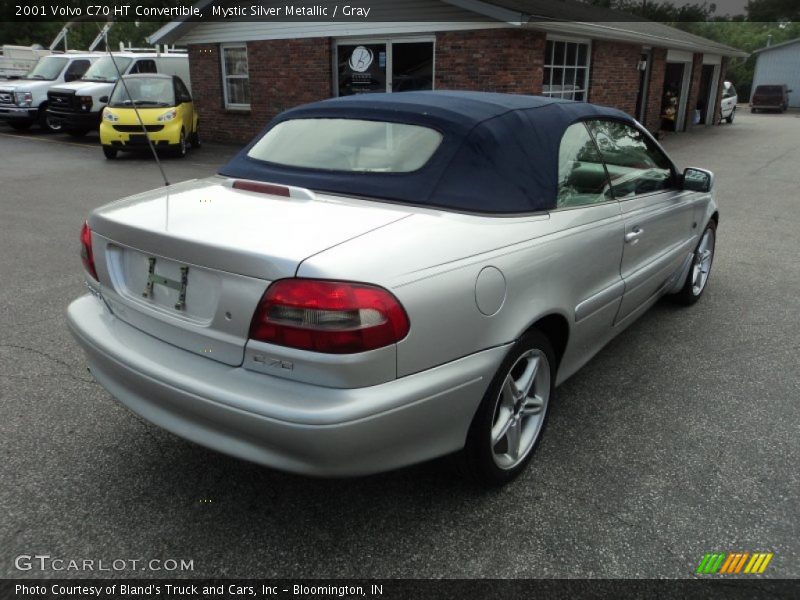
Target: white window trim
{"type": "Point", "coordinates": [389, 41]}
{"type": "Point", "coordinates": [588, 67]}
{"type": "Point", "coordinates": [225, 76]}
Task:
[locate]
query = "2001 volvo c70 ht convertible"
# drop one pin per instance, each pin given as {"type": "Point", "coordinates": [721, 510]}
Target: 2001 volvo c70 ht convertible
{"type": "Point", "coordinates": [379, 280]}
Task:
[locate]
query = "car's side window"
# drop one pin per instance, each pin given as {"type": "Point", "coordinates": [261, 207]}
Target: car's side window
{"type": "Point", "coordinates": [144, 66]}
{"type": "Point", "coordinates": [76, 70]}
{"type": "Point", "coordinates": [582, 178]}
{"type": "Point", "coordinates": [181, 93]}
{"type": "Point", "coordinates": [635, 164]}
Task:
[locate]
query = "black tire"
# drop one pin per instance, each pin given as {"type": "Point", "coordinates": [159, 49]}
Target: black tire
{"type": "Point", "coordinates": [44, 122]}
{"type": "Point", "coordinates": [690, 293]}
{"type": "Point", "coordinates": [181, 148]}
{"type": "Point", "coordinates": [729, 118]}
{"type": "Point", "coordinates": [479, 457]}
{"type": "Point", "coordinates": [20, 125]}
{"type": "Point", "coordinates": [109, 152]}
{"type": "Point", "coordinates": [194, 139]}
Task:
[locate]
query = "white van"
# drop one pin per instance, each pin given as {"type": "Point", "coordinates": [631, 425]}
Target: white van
{"type": "Point", "coordinates": [23, 101]}
{"type": "Point", "coordinates": [77, 107]}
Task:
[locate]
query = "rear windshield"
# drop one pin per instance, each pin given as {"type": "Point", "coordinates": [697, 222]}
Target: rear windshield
{"type": "Point", "coordinates": [104, 69]}
{"type": "Point", "coordinates": [769, 90]}
{"type": "Point", "coordinates": [348, 145]}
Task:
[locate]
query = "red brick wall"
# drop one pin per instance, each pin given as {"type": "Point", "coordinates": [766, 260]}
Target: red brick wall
{"type": "Point", "coordinates": [614, 78]}
{"type": "Point", "coordinates": [655, 89]}
{"type": "Point", "coordinates": [490, 60]}
{"type": "Point", "coordinates": [283, 74]}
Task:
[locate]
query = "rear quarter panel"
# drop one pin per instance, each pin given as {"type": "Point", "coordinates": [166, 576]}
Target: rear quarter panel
{"type": "Point", "coordinates": [431, 262]}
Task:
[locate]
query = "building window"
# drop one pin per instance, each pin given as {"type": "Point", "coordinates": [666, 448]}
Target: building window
{"type": "Point", "coordinates": [370, 66]}
{"type": "Point", "coordinates": [566, 70]}
{"type": "Point", "coordinates": [236, 81]}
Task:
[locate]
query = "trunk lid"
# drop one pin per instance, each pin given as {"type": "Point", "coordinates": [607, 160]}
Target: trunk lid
{"type": "Point", "coordinates": [188, 264]}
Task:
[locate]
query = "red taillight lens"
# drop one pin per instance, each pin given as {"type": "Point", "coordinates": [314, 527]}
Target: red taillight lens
{"type": "Point", "coordinates": [87, 256]}
{"type": "Point", "coordinates": [328, 316]}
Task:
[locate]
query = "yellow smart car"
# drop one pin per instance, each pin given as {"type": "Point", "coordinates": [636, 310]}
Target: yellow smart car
{"type": "Point", "coordinates": [163, 104]}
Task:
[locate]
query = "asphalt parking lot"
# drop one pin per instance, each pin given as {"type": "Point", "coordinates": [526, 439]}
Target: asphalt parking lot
{"type": "Point", "coordinates": [682, 437]}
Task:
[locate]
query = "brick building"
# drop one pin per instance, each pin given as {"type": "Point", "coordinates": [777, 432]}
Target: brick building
{"type": "Point", "coordinates": [244, 73]}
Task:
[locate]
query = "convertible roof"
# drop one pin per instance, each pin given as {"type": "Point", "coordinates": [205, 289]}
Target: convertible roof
{"type": "Point", "coordinates": [499, 152]}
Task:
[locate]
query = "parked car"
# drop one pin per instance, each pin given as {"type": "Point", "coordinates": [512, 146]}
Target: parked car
{"type": "Point", "coordinates": [23, 101]}
{"type": "Point", "coordinates": [379, 280]}
{"type": "Point", "coordinates": [770, 97]}
{"type": "Point", "coordinates": [78, 106]}
{"type": "Point", "coordinates": [729, 100]}
{"type": "Point", "coordinates": [156, 106]}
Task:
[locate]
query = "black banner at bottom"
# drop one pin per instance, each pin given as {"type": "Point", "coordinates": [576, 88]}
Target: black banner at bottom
{"type": "Point", "coordinates": [391, 589]}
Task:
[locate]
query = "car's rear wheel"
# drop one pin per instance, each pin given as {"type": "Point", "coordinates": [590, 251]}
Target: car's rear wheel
{"type": "Point", "coordinates": [729, 118]}
{"type": "Point", "coordinates": [700, 271]}
{"type": "Point", "coordinates": [512, 416]}
{"type": "Point", "coordinates": [109, 152]}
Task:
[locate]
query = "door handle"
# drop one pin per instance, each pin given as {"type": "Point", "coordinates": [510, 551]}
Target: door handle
{"type": "Point", "coordinates": [633, 236]}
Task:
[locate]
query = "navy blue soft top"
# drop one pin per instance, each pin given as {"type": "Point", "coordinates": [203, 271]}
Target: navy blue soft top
{"type": "Point", "coordinates": [499, 152]}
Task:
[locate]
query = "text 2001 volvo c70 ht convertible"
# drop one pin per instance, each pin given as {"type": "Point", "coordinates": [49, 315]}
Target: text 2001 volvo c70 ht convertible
{"type": "Point", "coordinates": [379, 280]}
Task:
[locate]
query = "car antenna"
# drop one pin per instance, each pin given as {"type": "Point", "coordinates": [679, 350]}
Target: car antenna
{"type": "Point", "coordinates": [136, 110]}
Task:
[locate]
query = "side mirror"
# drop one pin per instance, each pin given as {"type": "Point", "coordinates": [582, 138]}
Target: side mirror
{"type": "Point", "coordinates": [698, 180]}
{"type": "Point", "coordinates": [103, 99]}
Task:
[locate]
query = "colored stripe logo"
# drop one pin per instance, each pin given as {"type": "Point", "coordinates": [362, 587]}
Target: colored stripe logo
{"type": "Point", "coordinates": [733, 563]}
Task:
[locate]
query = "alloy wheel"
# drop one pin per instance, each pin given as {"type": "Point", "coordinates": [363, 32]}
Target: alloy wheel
{"type": "Point", "coordinates": [520, 409]}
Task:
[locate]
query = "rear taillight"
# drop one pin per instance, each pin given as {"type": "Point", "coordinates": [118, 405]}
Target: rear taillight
{"type": "Point", "coordinates": [87, 256]}
{"type": "Point", "coordinates": [328, 316]}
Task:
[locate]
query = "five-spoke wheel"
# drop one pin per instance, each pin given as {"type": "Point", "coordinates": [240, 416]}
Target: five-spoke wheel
{"type": "Point", "coordinates": [512, 416]}
{"type": "Point", "coordinates": [700, 270]}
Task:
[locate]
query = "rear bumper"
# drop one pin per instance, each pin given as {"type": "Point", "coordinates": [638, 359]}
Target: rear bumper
{"type": "Point", "coordinates": [287, 425]}
{"type": "Point", "coordinates": [8, 113]}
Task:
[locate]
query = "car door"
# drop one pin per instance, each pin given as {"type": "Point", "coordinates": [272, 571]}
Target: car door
{"type": "Point", "coordinates": [591, 248]}
{"type": "Point", "coordinates": [658, 215]}
{"type": "Point", "coordinates": [184, 101]}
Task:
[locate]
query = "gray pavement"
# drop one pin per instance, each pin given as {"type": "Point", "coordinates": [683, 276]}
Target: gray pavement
{"type": "Point", "coordinates": [680, 438]}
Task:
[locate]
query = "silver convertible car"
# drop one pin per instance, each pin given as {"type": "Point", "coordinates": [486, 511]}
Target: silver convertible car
{"type": "Point", "coordinates": [379, 280]}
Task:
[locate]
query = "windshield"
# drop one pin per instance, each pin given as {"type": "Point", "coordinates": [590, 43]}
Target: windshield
{"type": "Point", "coordinates": [104, 70]}
{"type": "Point", "coordinates": [144, 91]}
{"type": "Point", "coordinates": [48, 68]}
{"type": "Point", "coordinates": [348, 145]}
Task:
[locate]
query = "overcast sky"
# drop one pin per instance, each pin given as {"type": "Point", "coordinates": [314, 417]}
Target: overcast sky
{"type": "Point", "coordinates": [730, 7]}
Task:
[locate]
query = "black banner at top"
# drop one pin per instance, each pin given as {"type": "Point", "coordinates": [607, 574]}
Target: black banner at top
{"type": "Point", "coordinates": [358, 11]}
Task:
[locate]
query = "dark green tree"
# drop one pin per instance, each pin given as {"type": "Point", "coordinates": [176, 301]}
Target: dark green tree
{"type": "Point", "coordinates": [773, 10]}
